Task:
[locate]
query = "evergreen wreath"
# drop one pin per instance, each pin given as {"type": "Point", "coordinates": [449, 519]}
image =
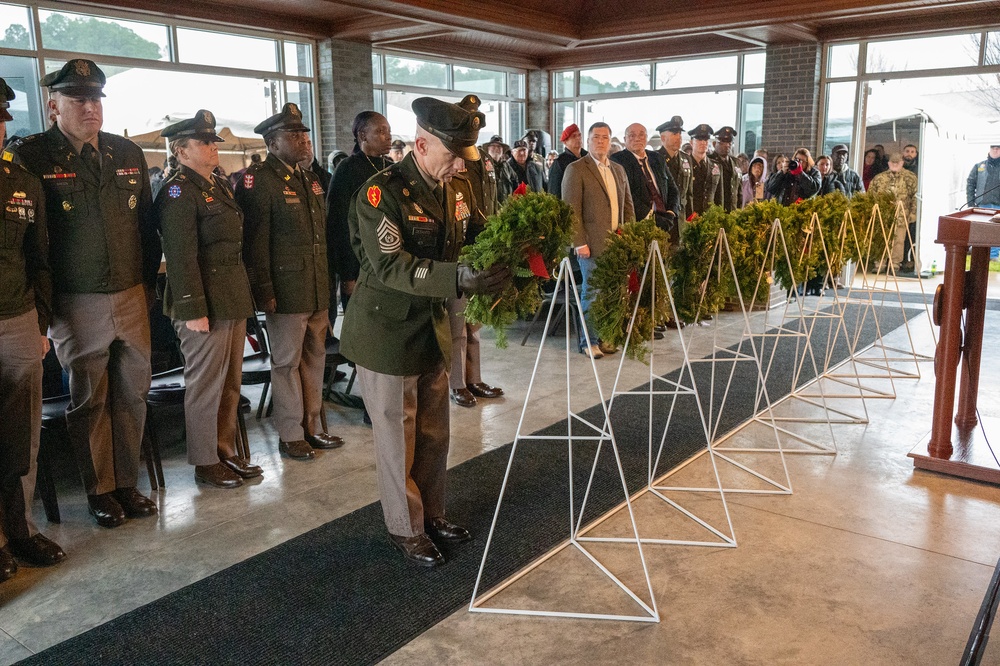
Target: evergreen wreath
{"type": "Point", "coordinates": [530, 234]}
{"type": "Point", "coordinates": [616, 279]}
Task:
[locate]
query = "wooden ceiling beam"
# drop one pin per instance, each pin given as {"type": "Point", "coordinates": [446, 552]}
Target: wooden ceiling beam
{"type": "Point", "coordinates": [931, 22]}
{"type": "Point", "coordinates": [470, 53]}
{"type": "Point", "coordinates": [646, 50]}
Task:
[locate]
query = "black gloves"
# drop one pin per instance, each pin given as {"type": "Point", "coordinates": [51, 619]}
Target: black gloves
{"type": "Point", "coordinates": [490, 280]}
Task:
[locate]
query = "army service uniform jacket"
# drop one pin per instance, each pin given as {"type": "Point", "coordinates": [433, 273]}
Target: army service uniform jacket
{"type": "Point", "coordinates": [284, 237]}
{"type": "Point", "coordinates": [25, 278]}
{"type": "Point", "coordinates": [408, 242]}
{"type": "Point", "coordinates": [706, 185]}
{"type": "Point", "coordinates": [102, 232]}
{"type": "Point", "coordinates": [202, 231]}
{"type": "Point", "coordinates": [729, 183]}
{"type": "Point", "coordinates": [681, 168]}
{"type": "Point", "coordinates": [482, 178]}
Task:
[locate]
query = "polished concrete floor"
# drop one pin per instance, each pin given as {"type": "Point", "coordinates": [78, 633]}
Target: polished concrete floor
{"type": "Point", "coordinates": [868, 561]}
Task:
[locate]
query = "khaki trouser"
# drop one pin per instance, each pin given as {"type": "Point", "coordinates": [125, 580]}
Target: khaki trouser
{"type": "Point", "coordinates": [298, 357]}
{"type": "Point", "coordinates": [20, 422]}
{"type": "Point", "coordinates": [410, 423]}
{"type": "Point", "coordinates": [213, 369]}
{"type": "Point", "coordinates": [103, 341]}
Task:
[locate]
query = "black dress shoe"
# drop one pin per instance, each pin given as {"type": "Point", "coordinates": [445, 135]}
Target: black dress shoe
{"type": "Point", "coordinates": [481, 390]}
{"type": "Point", "coordinates": [134, 503]}
{"type": "Point", "coordinates": [660, 327]}
{"type": "Point", "coordinates": [243, 467]}
{"type": "Point", "coordinates": [463, 398]}
{"type": "Point", "coordinates": [297, 450]}
{"type": "Point", "coordinates": [657, 335]}
{"type": "Point", "coordinates": [37, 551]}
{"type": "Point", "coordinates": [106, 510]}
{"type": "Point", "coordinates": [439, 528]}
{"type": "Point", "coordinates": [323, 440]}
{"type": "Point", "coordinates": [675, 325]}
{"type": "Point", "coordinates": [418, 549]}
{"type": "Point", "coordinates": [218, 475]}
{"type": "Point", "coordinates": [8, 567]}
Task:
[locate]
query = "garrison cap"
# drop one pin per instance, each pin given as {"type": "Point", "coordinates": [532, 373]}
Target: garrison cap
{"type": "Point", "coordinates": [7, 94]}
{"type": "Point", "coordinates": [675, 125]}
{"type": "Point", "coordinates": [78, 78]}
{"type": "Point", "coordinates": [702, 131]}
{"type": "Point", "coordinates": [289, 120]}
{"type": "Point", "coordinates": [202, 126]}
{"type": "Point", "coordinates": [839, 148]}
{"type": "Point", "coordinates": [726, 134]}
{"type": "Point", "coordinates": [455, 126]}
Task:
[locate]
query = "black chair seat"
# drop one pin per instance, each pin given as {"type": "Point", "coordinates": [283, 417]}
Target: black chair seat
{"type": "Point", "coordinates": [53, 422]}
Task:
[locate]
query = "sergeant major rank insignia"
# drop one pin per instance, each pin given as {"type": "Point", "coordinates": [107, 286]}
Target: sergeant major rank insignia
{"type": "Point", "coordinates": [389, 238]}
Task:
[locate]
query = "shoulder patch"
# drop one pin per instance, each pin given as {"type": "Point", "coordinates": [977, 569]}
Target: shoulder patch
{"type": "Point", "coordinates": [390, 240]}
{"type": "Point", "coordinates": [375, 196]}
{"type": "Point", "coordinates": [174, 191]}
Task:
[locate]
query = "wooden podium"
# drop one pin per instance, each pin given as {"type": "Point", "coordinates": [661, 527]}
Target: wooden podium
{"type": "Point", "coordinates": [970, 456]}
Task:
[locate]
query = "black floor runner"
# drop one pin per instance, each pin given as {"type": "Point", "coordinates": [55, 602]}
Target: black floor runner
{"type": "Point", "coordinates": [339, 594]}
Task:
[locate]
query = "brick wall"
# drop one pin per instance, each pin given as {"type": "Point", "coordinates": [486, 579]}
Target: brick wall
{"type": "Point", "coordinates": [791, 98]}
{"type": "Point", "coordinates": [345, 90]}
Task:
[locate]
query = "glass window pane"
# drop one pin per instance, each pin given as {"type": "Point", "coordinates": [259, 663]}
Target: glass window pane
{"type": "Point", "coordinates": [564, 115]}
{"type": "Point", "coordinates": [564, 84]}
{"type": "Point", "coordinates": [473, 79]}
{"type": "Point", "coordinates": [201, 47]}
{"type": "Point", "coordinates": [496, 112]}
{"type": "Point", "coordinates": [923, 53]}
{"type": "Point", "coordinates": [515, 85]}
{"type": "Point", "coordinates": [79, 33]}
{"type": "Point", "coordinates": [377, 69]}
{"type": "Point", "coordinates": [692, 73]}
{"type": "Point", "coordinates": [992, 49]}
{"type": "Point", "coordinates": [16, 25]}
{"type": "Point", "coordinates": [840, 107]}
{"type": "Point", "coordinates": [843, 60]}
{"type": "Point", "coordinates": [517, 124]}
{"type": "Point", "coordinates": [298, 59]}
{"type": "Point", "coordinates": [716, 109]}
{"type": "Point", "coordinates": [378, 100]}
{"type": "Point", "coordinates": [614, 79]}
{"type": "Point", "coordinates": [753, 67]}
{"type": "Point", "coordinates": [412, 72]}
{"type": "Point", "coordinates": [26, 107]}
{"type": "Point", "coordinates": [753, 120]}
{"type": "Point", "coordinates": [399, 113]}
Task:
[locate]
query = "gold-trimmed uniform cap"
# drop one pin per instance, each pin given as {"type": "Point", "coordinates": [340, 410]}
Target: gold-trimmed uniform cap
{"type": "Point", "coordinates": [675, 124]}
{"type": "Point", "coordinates": [79, 77]}
{"type": "Point", "coordinates": [702, 131]}
{"type": "Point", "coordinates": [456, 127]}
{"type": "Point", "coordinates": [726, 134]}
{"type": "Point", "coordinates": [289, 120]}
{"type": "Point", "coordinates": [6, 94]}
{"type": "Point", "coordinates": [202, 126]}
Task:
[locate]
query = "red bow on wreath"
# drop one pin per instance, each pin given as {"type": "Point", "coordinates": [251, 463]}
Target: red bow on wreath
{"type": "Point", "coordinates": [519, 190]}
{"type": "Point", "coordinates": [633, 282]}
{"type": "Point", "coordinates": [536, 262]}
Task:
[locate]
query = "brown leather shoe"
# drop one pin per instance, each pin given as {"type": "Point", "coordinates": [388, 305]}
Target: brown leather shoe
{"type": "Point", "coordinates": [607, 349]}
{"type": "Point", "coordinates": [439, 528]}
{"type": "Point", "coordinates": [243, 467]}
{"type": "Point", "coordinates": [482, 390]}
{"type": "Point", "coordinates": [463, 398]}
{"type": "Point", "coordinates": [37, 551]}
{"type": "Point", "coordinates": [323, 440]}
{"type": "Point", "coordinates": [418, 549]}
{"type": "Point", "coordinates": [106, 510]}
{"type": "Point", "coordinates": [217, 475]}
{"type": "Point", "coordinates": [134, 503]}
{"type": "Point", "coordinates": [296, 450]}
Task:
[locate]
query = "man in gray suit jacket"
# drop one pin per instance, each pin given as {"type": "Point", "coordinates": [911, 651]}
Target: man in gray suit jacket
{"type": "Point", "coordinates": [597, 190]}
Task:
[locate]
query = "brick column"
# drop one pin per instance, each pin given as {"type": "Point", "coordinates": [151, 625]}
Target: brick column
{"type": "Point", "coordinates": [538, 105]}
{"type": "Point", "coordinates": [791, 98]}
{"type": "Point", "coordinates": [345, 90]}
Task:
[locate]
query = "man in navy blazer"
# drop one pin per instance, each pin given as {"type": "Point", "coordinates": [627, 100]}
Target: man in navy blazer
{"type": "Point", "coordinates": [650, 182]}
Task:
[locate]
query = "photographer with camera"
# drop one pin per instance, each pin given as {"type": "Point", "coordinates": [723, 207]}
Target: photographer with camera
{"type": "Point", "coordinates": [800, 181]}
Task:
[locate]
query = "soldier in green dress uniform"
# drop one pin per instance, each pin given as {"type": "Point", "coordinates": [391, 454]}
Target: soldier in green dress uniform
{"type": "Point", "coordinates": [105, 254]}
{"type": "Point", "coordinates": [680, 164]}
{"type": "Point", "coordinates": [407, 228]}
{"type": "Point", "coordinates": [285, 253]}
{"type": "Point", "coordinates": [729, 181]}
{"type": "Point", "coordinates": [25, 311]}
{"type": "Point", "coordinates": [707, 182]}
{"type": "Point", "coordinates": [207, 297]}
